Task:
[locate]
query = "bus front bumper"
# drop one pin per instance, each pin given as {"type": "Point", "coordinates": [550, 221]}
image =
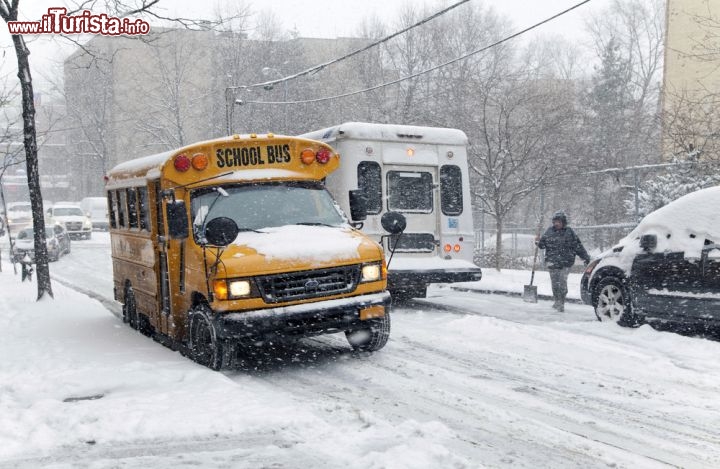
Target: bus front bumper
{"type": "Point", "coordinates": [398, 279]}
{"type": "Point", "coordinates": [307, 319]}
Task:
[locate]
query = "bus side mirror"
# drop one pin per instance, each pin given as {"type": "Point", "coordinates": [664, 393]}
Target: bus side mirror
{"type": "Point", "coordinates": [358, 205]}
{"type": "Point", "coordinates": [393, 222]}
{"type": "Point", "coordinates": [221, 231]}
{"type": "Point", "coordinates": [177, 219]}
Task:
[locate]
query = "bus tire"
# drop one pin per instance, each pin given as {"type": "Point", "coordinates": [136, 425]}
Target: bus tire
{"type": "Point", "coordinates": [372, 338]}
{"type": "Point", "coordinates": [206, 348]}
{"type": "Point", "coordinates": [129, 308]}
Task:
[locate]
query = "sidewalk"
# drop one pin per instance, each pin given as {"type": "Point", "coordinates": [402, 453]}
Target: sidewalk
{"type": "Point", "coordinates": [511, 282]}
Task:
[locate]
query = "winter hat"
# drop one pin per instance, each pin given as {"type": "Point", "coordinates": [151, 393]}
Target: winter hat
{"type": "Point", "coordinates": [560, 215]}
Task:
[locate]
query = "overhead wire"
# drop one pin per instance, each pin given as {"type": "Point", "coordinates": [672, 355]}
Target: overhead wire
{"type": "Point", "coordinates": [319, 67]}
{"type": "Point", "coordinates": [420, 73]}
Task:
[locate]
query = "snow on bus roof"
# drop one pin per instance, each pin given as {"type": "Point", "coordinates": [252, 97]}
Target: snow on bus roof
{"type": "Point", "coordinates": [390, 132]}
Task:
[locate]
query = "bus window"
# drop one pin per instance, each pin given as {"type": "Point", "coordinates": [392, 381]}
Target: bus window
{"type": "Point", "coordinates": [410, 191]}
{"type": "Point", "coordinates": [143, 209]}
{"type": "Point", "coordinates": [132, 208]}
{"type": "Point", "coordinates": [369, 177]}
{"type": "Point", "coordinates": [122, 208]}
{"type": "Point", "coordinates": [451, 199]}
{"type": "Point", "coordinates": [111, 208]}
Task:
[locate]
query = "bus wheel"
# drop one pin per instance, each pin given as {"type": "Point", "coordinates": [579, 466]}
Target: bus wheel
{"type": "Point", "coordinates": [129, 309]}
{"type": "Point", "coordinates": [205, 347]}
{"type": "Point", "coordinates": [371, 338]}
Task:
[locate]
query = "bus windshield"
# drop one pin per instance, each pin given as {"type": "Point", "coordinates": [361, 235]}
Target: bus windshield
{"type": "Point", "coordinates": [258, 206]}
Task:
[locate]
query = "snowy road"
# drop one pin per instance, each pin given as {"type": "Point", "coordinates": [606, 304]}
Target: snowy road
{"type": "Point", "coordinates": [477, 381]}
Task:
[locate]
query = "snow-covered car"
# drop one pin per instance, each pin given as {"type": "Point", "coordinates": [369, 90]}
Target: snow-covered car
{"type": "Point", "coordinates": [19, 217]}
{"type": "Point", "coordinates": [76, 222]}
{"type": "Point", "coordinates": [56, 240]}
{"type": "Point", "coordinates": [667, 268]}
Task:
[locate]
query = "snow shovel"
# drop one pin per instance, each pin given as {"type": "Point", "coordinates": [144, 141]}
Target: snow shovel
{"type": "Point", "coordinates": [530, 291]}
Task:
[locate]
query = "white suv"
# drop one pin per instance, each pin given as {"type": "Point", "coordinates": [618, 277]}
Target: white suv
{"type": "Point", "coordinates": [77, 223]}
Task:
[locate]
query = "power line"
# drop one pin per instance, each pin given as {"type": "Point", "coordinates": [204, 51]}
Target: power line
{"type": "Point", "coordinates": [423, 72]}
{"type": "Point", "coordinates": [319, 67]}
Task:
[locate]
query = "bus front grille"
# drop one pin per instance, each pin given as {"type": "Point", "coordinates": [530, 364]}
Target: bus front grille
{"type": "Point", "coordinates": [308, 284]}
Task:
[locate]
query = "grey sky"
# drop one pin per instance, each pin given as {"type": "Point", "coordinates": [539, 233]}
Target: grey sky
{"type": "Point", "coordinates": [311, 18]}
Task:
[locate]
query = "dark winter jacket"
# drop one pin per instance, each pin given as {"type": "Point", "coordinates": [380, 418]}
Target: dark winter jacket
{"type": "Point", "coordinates": [561, 246]}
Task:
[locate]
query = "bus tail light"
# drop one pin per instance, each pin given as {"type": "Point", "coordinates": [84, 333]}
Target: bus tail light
{"type": "Point", "coordinates": [307, 156]}
{"type": "Point", "coordinates": [456, 248]}
{"type": "Point", "coordinates": [181, 163]}
{"type": "Point", "coordinates": [199, 161]}
{"type": "Point", "coordinates": [448, 248]}
{"type": "Point", "coordinates": [323, 156]}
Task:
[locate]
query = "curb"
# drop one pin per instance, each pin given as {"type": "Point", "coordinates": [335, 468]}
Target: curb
{"type": "Point", "coordinates": [509, 293]}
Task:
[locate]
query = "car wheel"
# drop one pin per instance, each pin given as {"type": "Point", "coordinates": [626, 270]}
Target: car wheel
{"type": "Point", "coordinates": [613, 303]}
{"type": "Point", "coordinates": [129, 309]}
{"type": "Point", "coordinates": [372, 338]}
{"type": "Point", "coordinates": [206, 348]}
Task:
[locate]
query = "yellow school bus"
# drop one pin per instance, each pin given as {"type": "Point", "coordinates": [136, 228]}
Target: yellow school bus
{"type": "Point", "coordinates": [236, 241]}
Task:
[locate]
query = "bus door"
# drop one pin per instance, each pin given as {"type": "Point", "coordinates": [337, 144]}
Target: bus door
{"type": "Point", "coordinates": [164, 319]}
{"type": "Point", "coordinates": [412, 191]}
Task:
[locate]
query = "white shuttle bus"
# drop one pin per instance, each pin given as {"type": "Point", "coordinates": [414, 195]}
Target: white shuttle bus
{"type": "Point", "coordinates": [421, 173]}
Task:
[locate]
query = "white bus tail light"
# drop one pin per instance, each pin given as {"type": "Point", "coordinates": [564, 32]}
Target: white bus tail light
{"type": "Point", "coordinates": [456, 248]}
{"type": "Point", "coordinates": [182, 163]}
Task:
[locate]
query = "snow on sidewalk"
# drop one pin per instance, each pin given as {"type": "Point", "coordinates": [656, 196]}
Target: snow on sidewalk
{"type": "Point", "coordinates": [513, 281]}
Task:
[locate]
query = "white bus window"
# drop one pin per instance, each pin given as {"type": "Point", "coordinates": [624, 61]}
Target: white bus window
{"type": "Point", "coordinates": [410, 191]}
{"type": "Point", "coordinates": [369, 178]}
{"type": "Point", "coordinates": [451, 198]}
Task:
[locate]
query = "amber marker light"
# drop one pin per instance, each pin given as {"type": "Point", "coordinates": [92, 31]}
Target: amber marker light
{"type": "Point", "coordinates": [199, 161]}
{"type": "Point", "coordinates": [447, 248]}
{"type": "Point", "coordinates": [307, 156]}
{"type": "Point", "coordinates": [220, 289]}
{"type": "Point", "coordinates": [456, 248]}
{"type": "Point", "coordinates": [410, 151]}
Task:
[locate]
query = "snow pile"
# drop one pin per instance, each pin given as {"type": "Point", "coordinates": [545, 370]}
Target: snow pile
{"type": "Point", "coordinates": [305, 243]}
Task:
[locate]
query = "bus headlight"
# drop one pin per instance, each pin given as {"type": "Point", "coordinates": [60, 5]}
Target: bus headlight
{"type": "Point", "coordinates": [231, 289]}
{"type": "Point", "coordinates": [239, 288]}
{"type": "Point", "coordinates": [370, 273]}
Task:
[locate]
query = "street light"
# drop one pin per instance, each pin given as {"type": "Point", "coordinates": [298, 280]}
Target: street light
{"type": "Point", "coordinates": [266, 72]}
{"type": "Point", "coordinates": [230, 107]}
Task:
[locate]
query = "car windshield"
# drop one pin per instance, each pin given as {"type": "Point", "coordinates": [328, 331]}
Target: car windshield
{"type": "Point", "coordinates": [20, 208]}
{"type": "Point", "coordinates": [67, 211]}
{"type": "Point", "coordinates": [30, 233]}
{"type": "Point", "coordinates": [258, 206]}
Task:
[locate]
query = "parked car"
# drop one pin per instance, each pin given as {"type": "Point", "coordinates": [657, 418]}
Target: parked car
{"type": "Point", "coordinates": [19, 217]}
{"type": "Point", "coordinates": [57, 242]}
{"type": "Point", "coordinates": [667, 268]}
{"type": "Point", "coordinates": [97, 207]}
{"type": "Point", "coordinates": [77, 223]}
